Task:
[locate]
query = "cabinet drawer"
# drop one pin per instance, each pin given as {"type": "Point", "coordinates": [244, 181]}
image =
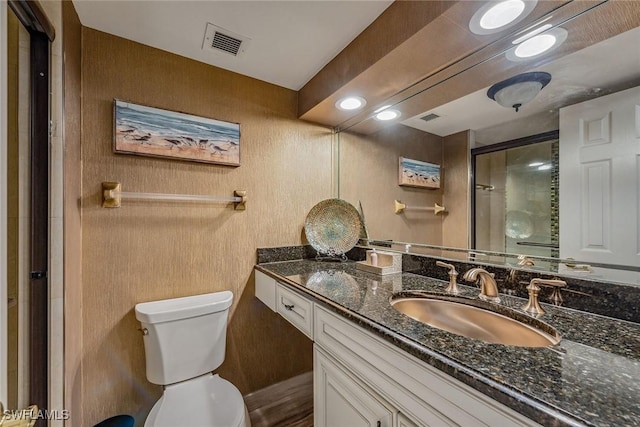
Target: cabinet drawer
{"type": "Point", "coordinates": [295, 308]}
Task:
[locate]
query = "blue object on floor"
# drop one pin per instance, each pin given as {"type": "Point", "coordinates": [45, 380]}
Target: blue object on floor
{"type": "Point", "coordinates": [117, 421]}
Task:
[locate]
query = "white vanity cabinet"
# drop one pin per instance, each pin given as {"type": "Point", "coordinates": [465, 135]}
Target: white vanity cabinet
{"type": "Point", "coordinates": [291, 305]}
{"type": "Point", "coordinates": [297, 309]}
{"type": "Point", "coordinates": [266, 289]}
{"type": "Point", "coordinates": [362, 380]}
{"type": "Point", "coordinates": [417, 393]}
{"type": "Point", "coordinates": [340, 399]}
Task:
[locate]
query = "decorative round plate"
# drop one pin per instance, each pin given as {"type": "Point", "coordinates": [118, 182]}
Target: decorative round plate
{"type": "Point", "coordinates": [333, 227]}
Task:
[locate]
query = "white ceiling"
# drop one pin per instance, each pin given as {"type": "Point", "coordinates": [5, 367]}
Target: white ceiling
{"type": "Point", "coordinates": [584, 74]}
{"type": "Point", "coordinates": [290, 40]}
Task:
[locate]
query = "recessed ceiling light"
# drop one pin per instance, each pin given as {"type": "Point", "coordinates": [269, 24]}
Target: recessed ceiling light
{"type": "Point", "coordinates": [388, 115]}
{"type": "Point", "coordinates": [501, 14]}
{"type": "Point", "coordinates": [496, 16]}
{"type": "Point", "coordinates": [539, 44]}
{"type": "Point", "coordinates": [351, 103]}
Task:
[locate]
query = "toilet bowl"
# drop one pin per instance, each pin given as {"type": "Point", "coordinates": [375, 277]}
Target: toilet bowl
{"type": "Point", "coordinates": [184, 341]}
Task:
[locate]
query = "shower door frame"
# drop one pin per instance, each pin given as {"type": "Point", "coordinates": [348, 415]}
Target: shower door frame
{"type": "Point", "coordinates": [514, 143]}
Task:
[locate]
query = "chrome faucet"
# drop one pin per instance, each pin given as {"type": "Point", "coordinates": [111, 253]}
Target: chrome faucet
{"type": "Point", "coordinates": [453, 275]}
{"type": "Point", "coordinates": [488, 286]}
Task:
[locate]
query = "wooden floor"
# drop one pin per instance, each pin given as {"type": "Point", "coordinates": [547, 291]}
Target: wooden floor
{"type": "Point", "coordinates": [288, 403]}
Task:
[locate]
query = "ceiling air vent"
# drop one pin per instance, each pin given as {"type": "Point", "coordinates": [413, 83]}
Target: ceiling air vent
{"type": "Point", "coordinates": [220, 40]}
{"type": "Point", "coordinates": [429, 117]}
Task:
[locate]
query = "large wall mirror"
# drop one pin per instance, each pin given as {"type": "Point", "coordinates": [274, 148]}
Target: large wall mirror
{"type": "Point", "coordinates": [566, 161]}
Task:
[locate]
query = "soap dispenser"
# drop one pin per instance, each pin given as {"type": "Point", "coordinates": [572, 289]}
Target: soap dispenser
{"type": "Point", "coordinates": [374, 258]}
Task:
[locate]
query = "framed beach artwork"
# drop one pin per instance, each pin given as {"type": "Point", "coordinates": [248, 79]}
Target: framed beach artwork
{"type": "Point", "coordinates": [414, 173]}
{"type": "Point", "coordinates": [149, 131]}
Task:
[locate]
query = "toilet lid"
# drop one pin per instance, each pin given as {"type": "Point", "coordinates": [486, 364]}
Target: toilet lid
{"type": "Point", "coordinates": [205, 401]}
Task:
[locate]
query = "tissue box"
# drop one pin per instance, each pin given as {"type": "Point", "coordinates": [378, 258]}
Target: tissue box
{"type": "Point", "coordinates": [388, 263]}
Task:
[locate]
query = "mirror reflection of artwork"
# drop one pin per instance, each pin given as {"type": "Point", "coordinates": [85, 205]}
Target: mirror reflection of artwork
{"type": "Point", "coordinates": [415, 173]}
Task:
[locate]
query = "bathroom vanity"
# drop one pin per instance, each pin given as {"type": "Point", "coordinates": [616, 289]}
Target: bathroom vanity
{"type": "Point", "coordinates": [376, 366]}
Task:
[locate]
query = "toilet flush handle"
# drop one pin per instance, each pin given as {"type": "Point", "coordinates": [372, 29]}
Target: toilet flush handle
{"type": "Point", "coordinates": [144, 331]}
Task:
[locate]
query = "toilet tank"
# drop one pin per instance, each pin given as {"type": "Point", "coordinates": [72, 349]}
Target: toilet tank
{"type": "Point", "coordinates": [184, 337]}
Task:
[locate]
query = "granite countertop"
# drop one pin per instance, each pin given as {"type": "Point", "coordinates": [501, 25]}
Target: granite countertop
{"type": "Point", "coordinates": [592, 377]}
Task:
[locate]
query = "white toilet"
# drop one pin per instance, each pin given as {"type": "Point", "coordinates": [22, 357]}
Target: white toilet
{"type": "Point", "coordinates": [184, 341]}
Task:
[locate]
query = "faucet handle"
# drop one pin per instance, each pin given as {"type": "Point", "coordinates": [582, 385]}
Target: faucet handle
{"type": "Point", "coordinates": [451, 267]}
{"type": "Point", "coordinates": [533, 305]}
{"type": "Point", "coordinates": [453, 275]}
{"type": "Point", "coordinates": [556, 296]}
{"type": "Point", "coordinates": [525, 261]}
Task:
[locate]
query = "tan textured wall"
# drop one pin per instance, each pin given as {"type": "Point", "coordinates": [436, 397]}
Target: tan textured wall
{"type": "Point", "coordinates": [369, 173]}
{"type": "Point", "coordinates": [456, 197]}
{"type": "Point", "coordinates": [152, 250]}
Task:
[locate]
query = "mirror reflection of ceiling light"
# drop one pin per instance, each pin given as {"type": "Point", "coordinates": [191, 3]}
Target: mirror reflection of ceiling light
{"type": "Point", "coordinates": [384, 107]}
{"type": "Point", "coordinates": [532, 45]}
{"type": "Point", "coordinates": [516, 91]}
{"type": "Point", "coordinates": [496, 16]}
{"type": "Point", "coordinates": [351, 103]}
{"type": "Point", "coordinates": [544, 167]}
{"type": "Point", "coordinates": [537, 31]}
{"type": "Point", "coordinates": [535, 45]}
{"type": "Point", "coordinates": [388, 115]}
{"type": "Point", "coordinates": [535, 164]}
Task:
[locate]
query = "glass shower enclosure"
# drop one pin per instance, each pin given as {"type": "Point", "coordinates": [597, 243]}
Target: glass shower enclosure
{"type": "Point", "coordinates": [515, 205]}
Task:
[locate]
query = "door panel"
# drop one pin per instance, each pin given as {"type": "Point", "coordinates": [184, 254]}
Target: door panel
{"type": "Point", "coordinates": [600, 179]}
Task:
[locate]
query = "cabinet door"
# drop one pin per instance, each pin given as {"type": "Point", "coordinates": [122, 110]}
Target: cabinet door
{"type": "Point", "coordinates": [342, 401]}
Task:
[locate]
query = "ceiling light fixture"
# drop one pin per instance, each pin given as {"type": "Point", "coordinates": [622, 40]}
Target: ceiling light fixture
{"type": "Point", "coordinates": [516, 91]}
{"type": "Point", "coordinates": [536, 43]}
{"type": "Point", "coordinates": [501, 14]}
{"type": "Point", "coordinates": [388, 115]}
{"type": "Point", "coordinates": [351, 103]}
{"type": "Point", "coordinates": [496, 16]}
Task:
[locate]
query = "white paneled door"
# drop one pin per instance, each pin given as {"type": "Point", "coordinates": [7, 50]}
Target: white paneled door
{"type": "Point", "coordinates": [600, 179]}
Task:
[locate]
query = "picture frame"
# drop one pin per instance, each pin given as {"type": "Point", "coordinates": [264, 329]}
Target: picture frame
{"type": "Point", "coordinates": [416, 173]}
{"type": "Point", "coordinates": [148, 131]}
